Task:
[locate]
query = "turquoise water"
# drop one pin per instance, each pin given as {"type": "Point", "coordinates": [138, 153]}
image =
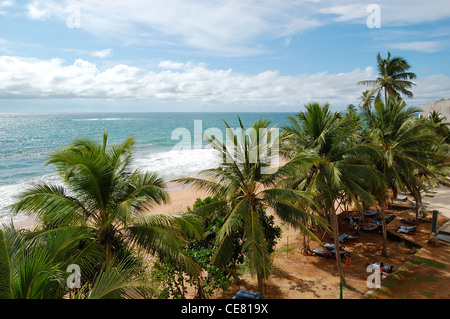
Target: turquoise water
{"type": "Point", "coordinates": [27, 139]}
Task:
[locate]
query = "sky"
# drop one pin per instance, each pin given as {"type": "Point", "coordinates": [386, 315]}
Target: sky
{"type": "Point", "coordinates": [213, 55]}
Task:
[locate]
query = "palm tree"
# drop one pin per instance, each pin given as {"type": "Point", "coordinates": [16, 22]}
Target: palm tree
{"type": "Point", "coordinates": [101, 195]}
{"type": "Point", "coordinates": [247, 183]}
{"type": "Point", "coordinates": [34, 268]}
{"type": "Point", "coordinates": [33, 265]}
{"type": "Point", "coordinates": [406, 146]}
{"type": "Point", "coordinates": [439, 125]}
{"type": "Point", "coordinates": [336, 164]}
{"type": "Point", "coordinates": [393, 79]}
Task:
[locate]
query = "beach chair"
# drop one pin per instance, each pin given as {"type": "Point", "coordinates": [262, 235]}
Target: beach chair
{"type": "Point", "coordinates": [345, 237]}
{"type": "Point", "coordinates": [406, 229]}
{"type": "Point", "coordinates": [354, 218]}
{"type": "Point", "coordinates": [331, 246]}
{"type": "Point", "coordinates": [400, 198]}
{"type": "Point", "coordinates": [341, 252]}
{"type": "Point", "coordinates": [387, 268]}
{"type": "Point", "coordinates": [370, 213]}
{"type": "Point", "coordinates": [370, 227]}
{"type": "Point", "coordinates": [244, 294]}
{"type": "Point", "coordinates": [321, 253]}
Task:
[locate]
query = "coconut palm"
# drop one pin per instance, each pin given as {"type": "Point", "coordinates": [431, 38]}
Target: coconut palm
{"type": "Point", "coordinates": [439, 125]}
{"type": "Point", "coordinates": [247, 182]}
{"type": "Point", "coordinates": [406, 146]}
{"type": "Point", "coordinates": [102, 195]}
{"type": "Point", "coordinates": [336, 165]}
{"type": "Point", "coordinates": [33, 268]}
{"type": "Point", "coordinates": [393, 79]}
{"type": "Point", "coordinates": [34, 265]}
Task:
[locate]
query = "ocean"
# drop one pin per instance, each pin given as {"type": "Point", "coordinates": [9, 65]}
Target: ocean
{"type": "Point", "coordinates": [27, 139]}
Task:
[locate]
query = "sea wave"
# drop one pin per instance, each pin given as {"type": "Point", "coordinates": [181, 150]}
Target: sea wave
{"type": "Point", "coordinates": [106, 119]}
{"type": "Point", "coordinates": [169, 165]}
{"type": "Point", "coordinates": [8, 195]}
{"type": "Point", "coordinates": [178, 163]}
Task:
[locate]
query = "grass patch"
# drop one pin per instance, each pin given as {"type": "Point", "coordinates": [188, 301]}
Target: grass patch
{"type": "Point", "coordinates": [428, 294]}
{"type": "Point", "coordinates": [285, 250]}
{"type": "Point", "coordinates": [428, 262]}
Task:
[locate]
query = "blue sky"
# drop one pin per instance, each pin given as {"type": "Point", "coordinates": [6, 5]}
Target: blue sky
{"type": "Point", "coordinates": [206, 55]}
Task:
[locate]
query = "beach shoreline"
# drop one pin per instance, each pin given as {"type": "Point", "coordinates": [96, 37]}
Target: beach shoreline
{"type": "Point", "coordinates": [180, 197]}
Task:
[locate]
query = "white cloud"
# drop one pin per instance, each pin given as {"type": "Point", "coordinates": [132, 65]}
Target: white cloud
{"type": "Point", "coordinates": [36, 11]}
{"type": "Point", "coordinates": [228, 28]}
{"type": "Point", "coordinates": [422, 46]}
{"type": "Point", "coordinates": [33, 78]}
{"type": "Point", "coordinates": [6, 5]}
{"type": "Point", "coordinates": [171, 65]}
{"type": "Point", "coordinates": [222, 27]}
{"type": "Point", "coordinates": [103, 53]}
{"type": "Point", "coordinates": [349, 12]}
{"type": "Point", "coordinates": [399, 12]}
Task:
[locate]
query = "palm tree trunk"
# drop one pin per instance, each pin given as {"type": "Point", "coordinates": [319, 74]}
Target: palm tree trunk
{"type": "Point", "coordinates": [335, 229]}
{"type": "Point", "coordinates": [418, 200]}
{"type": "Point", "coordinates": [261, 285]}
{"type": "Point", "coordinates": [383, 226]}
{"type": "Point", "coordinates": [385, 97]}
{"type": "Point", "coordinates": [417, 209]}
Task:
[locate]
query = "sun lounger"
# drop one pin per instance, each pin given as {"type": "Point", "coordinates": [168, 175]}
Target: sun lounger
{"type": "Point", "coordinates": [331, 246]}
{"type": "Point", "coordinates": [354, 218]}
{"type": "Point", "coordinates": [341, 252]}
{"type": "Point", "coordinates": [244, 294]}
{"type": "Point", "coordinates": [387, 268]}
{"type": "Point", "coordinates": [321, 253]}
{"type": "Point", "coordinates": [406, 229]}
{"type": "Point", "coordinates": [400, 198]}
{"type": "Point", "coordinates": [370, 213]}
{"type": "Point", "coordinates": [344, 237]}
{"type": "Point", "coordinates": [370, 227]}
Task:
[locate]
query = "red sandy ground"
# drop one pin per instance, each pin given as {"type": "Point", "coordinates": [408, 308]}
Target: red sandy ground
{"type": "Point", "coordinates": [297, 276]}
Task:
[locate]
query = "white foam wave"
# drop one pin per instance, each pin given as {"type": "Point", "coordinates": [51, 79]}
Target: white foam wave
{"type": "Point", "coordinates": [169, 165]}
{"type": "Point", "coordinates": [178, 163]}
{"type": "Point", "coordinates": [8, 195]}
{"type": "Point", "coordinates": [106, 119]}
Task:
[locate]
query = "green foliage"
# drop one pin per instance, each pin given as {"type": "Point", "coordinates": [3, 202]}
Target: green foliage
{"type": "Point", "coordinates": [92, 220]}
{"type": "Point", "coordinates": [393, 78]}
{"type": "Point", "coordinates": [175, 281]}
